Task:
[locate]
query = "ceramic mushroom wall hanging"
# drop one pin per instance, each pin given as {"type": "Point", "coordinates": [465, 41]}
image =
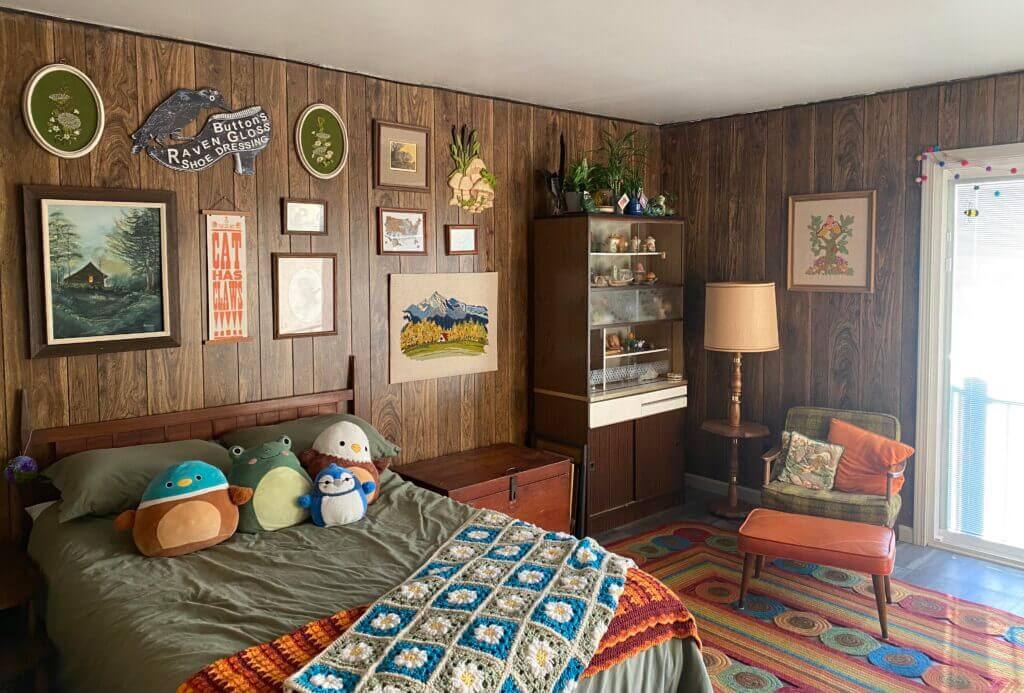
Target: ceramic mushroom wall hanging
{"type": "Point", "coordinates": [471, 182]}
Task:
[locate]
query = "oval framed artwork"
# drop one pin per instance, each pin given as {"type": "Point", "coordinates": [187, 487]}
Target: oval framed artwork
{"type": "Point", "coordinates": [63, 110]}
{"type": "Point", "coordinates": [321, 141]}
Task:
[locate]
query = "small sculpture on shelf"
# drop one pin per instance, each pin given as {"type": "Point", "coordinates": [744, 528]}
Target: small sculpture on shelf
{"type": "Point", "coordinates": [613, 345]}
{"type": "Point", "coordinates": [650, 244]}
{"type": "Point", "coordinates": [615, 243]}
{"type": "Point", "coordinates": [600, 281]}
{"type": "Point", "coordinates": [639, 272]}
{"type": "Point", "coordinates": [650, 278]}
{"type": "Point", "coordinates": [635, 243]}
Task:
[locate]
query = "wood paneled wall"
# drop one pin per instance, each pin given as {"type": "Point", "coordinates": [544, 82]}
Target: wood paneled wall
{"type": "Point", "coordinates": [134, 74]}
{"type": "Point", "coordinates": [734, 176]}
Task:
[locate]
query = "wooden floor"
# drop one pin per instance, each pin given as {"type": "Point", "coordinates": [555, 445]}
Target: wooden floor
{"type": "Point", "coordinates": [979, 581]}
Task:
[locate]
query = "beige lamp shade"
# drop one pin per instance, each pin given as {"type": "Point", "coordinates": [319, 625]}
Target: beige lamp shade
{"type": "Point", "coordinates": [740, 316]}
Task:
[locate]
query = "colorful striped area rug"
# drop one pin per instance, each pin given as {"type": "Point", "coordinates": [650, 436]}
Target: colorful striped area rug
{"type": "Point", "coordinates": [811, 627]}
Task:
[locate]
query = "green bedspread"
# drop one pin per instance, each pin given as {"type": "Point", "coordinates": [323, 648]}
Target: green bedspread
{"type": "Point", "coordinates": [123, 622]}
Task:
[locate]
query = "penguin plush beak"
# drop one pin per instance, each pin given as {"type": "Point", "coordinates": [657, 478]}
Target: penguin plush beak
{"type": "Point", "coordinates": [184, 482]}
{"type": "Point", "coordinates": [356, 447]}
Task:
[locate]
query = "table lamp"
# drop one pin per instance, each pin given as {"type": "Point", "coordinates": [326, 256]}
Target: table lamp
{"type": "Point", "coordinates": [738, 317]}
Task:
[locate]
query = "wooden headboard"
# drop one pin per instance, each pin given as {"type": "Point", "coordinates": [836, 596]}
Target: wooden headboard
{"type": "Point", "coordinates": [47, 445]}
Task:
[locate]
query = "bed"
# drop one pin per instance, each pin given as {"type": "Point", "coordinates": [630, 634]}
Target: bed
{"type": "Point", "coordinates": [120, 621]}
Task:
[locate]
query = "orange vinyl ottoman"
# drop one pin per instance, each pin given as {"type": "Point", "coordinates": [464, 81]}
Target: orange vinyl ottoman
{"type": "Point", "coordinates": [838, 543]}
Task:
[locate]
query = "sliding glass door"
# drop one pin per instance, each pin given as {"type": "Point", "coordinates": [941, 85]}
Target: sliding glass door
{"type": "Point", "coordinates": [981, 479]}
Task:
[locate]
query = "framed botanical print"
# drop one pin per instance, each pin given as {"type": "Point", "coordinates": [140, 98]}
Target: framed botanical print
{"type": "Point", "coordinates": [401, 157]}
{"type": "Point", "coordinates": [460, 239]}
{"type": "Point", "coordinates": [305, 294]}
{"type": "Point", "coordinates": [321, 141]}
{"type": "Point", "coordinates": [401, 231]}
{"type": "Point", "coordinates": [302, 217]}
{"type": "Point", "coordinates": [832, 242]}
{"type": "Point", "coordinates": [63, 110]}
{"type": "Point", "coordinates": [101, 266]}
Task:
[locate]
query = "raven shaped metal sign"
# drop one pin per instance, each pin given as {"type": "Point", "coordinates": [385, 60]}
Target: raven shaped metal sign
{"type": "Point", "coordinates": [242, 134]}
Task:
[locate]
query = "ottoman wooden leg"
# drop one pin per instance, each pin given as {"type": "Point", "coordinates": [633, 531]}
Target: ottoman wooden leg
{"type": "Point", "coordinates": [748, 567]}
{"type": "Point", "coordinates": [879, 583]}
{"type": "Point", "coordinates": [758, 564]}
{"type": "Point", "coordinates": [888, 590]}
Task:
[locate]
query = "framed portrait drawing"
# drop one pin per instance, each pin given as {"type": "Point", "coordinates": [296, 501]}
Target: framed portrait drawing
{"type": "Point", "coordinates": [460, 239]}
{"type": "Point", "coordinates": [227, 292]}
{"type": "Point", "coordinates": [101, 266]}
{"type": "Point", "coordinates": [831, 244]}
{"type": "Point", "coordinates": [302, 217]}
{"type": "Point", "coordinates": [442, 325]}
{"type": "Point", "coordinates": [305, 294]}
{"type": "Point", "coordinates": [401, 231]}
{"type": "Point", "coordinates": [401, 156]}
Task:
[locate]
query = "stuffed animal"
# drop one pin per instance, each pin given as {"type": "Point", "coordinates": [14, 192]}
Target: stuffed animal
{"type": "Point", "coordinates": [338, 497]}
{"type": "Point", "coordinates": [186, 508]}
{"type": "Point", "coordinates": [277, 479]}
{"type": "Point", "coordinates": [346, 445]}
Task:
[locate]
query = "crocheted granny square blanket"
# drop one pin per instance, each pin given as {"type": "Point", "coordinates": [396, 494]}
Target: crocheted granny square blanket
{"type": "Point", "coordinates": [501, 606]}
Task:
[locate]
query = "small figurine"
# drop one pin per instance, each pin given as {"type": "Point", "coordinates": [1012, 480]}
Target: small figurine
{"type": "Point", "coordinates": [635, 243]}
{"type": "Point", "coordinates": [600, 280]}
{"type": "Point", "coordinates": [616, 243]}
{"type": "Point", "coordinates": [638, 268]}
{"type": "Point", "coordinates": [651, 277]}
{"type": "Point", "coordinates": [650, 245]}
{"type": "Point", "coordinates": [614, 345]}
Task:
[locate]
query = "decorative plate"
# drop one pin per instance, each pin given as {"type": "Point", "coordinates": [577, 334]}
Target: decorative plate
{"type": "Point", "coordinates": [321, 141]}
{"type": "Point", "coordinates": [63, 110]}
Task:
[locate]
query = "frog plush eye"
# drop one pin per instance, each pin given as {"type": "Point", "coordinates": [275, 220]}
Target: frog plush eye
{"type": "Point", "coordinates": [236, 450]}
{"type": "Point", "coordinates": [286, 441]}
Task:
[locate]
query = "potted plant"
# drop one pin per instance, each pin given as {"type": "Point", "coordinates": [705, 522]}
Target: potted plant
{"type": "Point", "coordinates": [633, 186]}
{"type": "Point", "coordinates": [580, 181]}
{"type": "Point", "coordinates": [625, 162]}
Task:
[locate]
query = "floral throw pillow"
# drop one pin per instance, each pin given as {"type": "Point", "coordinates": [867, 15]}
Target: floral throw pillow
{"type": "Point", "coordinates": [808, 462]}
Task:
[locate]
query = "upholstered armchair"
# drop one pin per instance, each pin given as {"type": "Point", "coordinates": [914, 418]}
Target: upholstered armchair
{"type": "Point", "coordinates": [814, 423]}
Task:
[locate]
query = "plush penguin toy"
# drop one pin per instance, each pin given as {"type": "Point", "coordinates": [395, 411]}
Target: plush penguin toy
{"type": "Point", "coordinates": [343, 444]}
{"type": "Point", "coordinates": [338, 498]}
{"type": "Point", "coordinates": [187, 508]}
{"type": "Point", "coordinates": [277, 479]}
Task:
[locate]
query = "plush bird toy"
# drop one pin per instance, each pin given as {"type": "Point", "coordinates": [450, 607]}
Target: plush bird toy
{"type": "Point", "coordinates": [343, 444]}
{"type": "Point", "coordinates": [338, 498]}
{"type": "Point", "coordinates": [187, 508]}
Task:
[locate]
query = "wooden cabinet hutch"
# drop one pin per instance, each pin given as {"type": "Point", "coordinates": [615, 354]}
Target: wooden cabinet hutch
{"type": "Point", "coordinates": [607, 294]}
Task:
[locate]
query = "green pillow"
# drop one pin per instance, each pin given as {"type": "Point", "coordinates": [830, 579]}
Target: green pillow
{"type": "Point", "coordinates": [304, 431]}
{"type": "Point", "coordinates": [110, 480]}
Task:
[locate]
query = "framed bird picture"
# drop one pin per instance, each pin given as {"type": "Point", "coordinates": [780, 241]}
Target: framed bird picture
{"type": "Point", "coordinates": [832, 242]}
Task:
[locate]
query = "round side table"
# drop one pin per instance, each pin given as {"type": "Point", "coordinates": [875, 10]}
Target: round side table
{"type": "Point", "coordinates": [732, 508]}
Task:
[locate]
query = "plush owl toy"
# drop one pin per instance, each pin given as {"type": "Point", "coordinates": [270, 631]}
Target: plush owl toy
{"type": "Point", "coordinates": [277, 479]}
{"type": "Point", "coordinates": [343, 444]}
{"type": "Point", "coordinates": [338, 498]}
{"type": "Point", "coordinates": [187, 508]}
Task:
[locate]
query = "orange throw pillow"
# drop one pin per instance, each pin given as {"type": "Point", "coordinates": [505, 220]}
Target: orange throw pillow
{"type": "Point", "coordinates": [865, 459]}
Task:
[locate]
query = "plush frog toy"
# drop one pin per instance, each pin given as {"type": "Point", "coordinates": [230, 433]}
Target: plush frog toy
{"type": "Point", "coordinates": [277, 479]}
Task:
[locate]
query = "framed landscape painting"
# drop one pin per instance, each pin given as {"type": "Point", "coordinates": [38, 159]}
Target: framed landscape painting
{"type": "Point", "coordinates": [443, 324]}
{"type": "Point", "coordinates": [401, 155]}
{"type": "Point", "coordinates": [832, 242]}
{"type": "Point", "coordinates": [101, 269]}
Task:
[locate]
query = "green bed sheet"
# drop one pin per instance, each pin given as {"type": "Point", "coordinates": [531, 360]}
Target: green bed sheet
{"type": "Point", "coordinates": [123, 622]}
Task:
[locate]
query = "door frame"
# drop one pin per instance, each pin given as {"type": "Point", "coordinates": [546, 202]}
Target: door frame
{"type": "Point", "coordinates": [934, 311]}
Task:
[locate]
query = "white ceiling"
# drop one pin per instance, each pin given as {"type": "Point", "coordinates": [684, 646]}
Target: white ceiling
{"type": "Point", "coordinates": [658, 61]}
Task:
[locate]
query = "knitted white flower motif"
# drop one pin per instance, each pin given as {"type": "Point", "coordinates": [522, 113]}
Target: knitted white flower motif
{"type": "Point", "coordinates": [414, 591]}
{"type": "Point", "coordinates": [585, 555]}
{"type": "Point", "coordinates": [541, 657]}
{"type": "Point", "coordinates": [510, 603]}
{"type": "Point", "coordinates": [615, 589]}
{"type": "Point", "coordinates": [439, 570]}
{"type": "Point", "coordinates": [521, 535]}
{"type": "Point", "coordinates": [467, 677]}
{"type": "Point", "coordinates": [494, 518]}
{"type": "Point", "coordinates": [551, 553]}
{"type": "Point", "coordinates": [355, 652]}
{"type": "Point", "coordinates": [490, 633]}
{"type": "Point", "coordinates": [529, 577]}
{"type": "Point", "coordinates": [385, 621]}
{"type": "Point", "coordinates": [437, 626]}
{"type": "Point", "coordinates": [461, 552]}
{"type": "Point", "coordinates": [478, 534]}
{"type": "Point", "coordinates": [573, 582]}
{"type": "Point", "coordinates": [328, 682]}
{"type": "Point", "coordinates": [487, 572]}
{"type": "Point", "coordinates": [462, 596]}
{"type": "Point", "coordinates": [507, 551]}
{"type": "Point", "coordinates": [559, 611]}
{"type": "Point", "coordinates": [412, 658]}
{"type": "Point", "coordinates": [384, 688]}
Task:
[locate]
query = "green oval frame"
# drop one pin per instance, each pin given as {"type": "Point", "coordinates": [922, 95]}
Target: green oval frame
{"type": "Point", "coordinates": [304, 140]}
{"type": "Point", "coordinates": [31, 105]}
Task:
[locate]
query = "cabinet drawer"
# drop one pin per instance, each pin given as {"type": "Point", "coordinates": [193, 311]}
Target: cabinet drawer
{"type": "Point", "coordinates": [630, 407]}
{"type": "Point", "coordinates": [543, 503]}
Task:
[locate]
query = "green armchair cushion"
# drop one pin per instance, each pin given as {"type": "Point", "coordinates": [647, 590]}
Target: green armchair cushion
{"type": "Point", "coordinates": [856, 507]}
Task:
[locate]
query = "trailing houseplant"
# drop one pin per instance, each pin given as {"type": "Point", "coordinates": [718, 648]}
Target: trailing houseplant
{"type": "Point", "coordinates": [579, 183]}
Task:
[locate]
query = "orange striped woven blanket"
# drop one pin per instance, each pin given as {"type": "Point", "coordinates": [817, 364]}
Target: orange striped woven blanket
{"type": "Point", "coordinates": [649, 613]}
